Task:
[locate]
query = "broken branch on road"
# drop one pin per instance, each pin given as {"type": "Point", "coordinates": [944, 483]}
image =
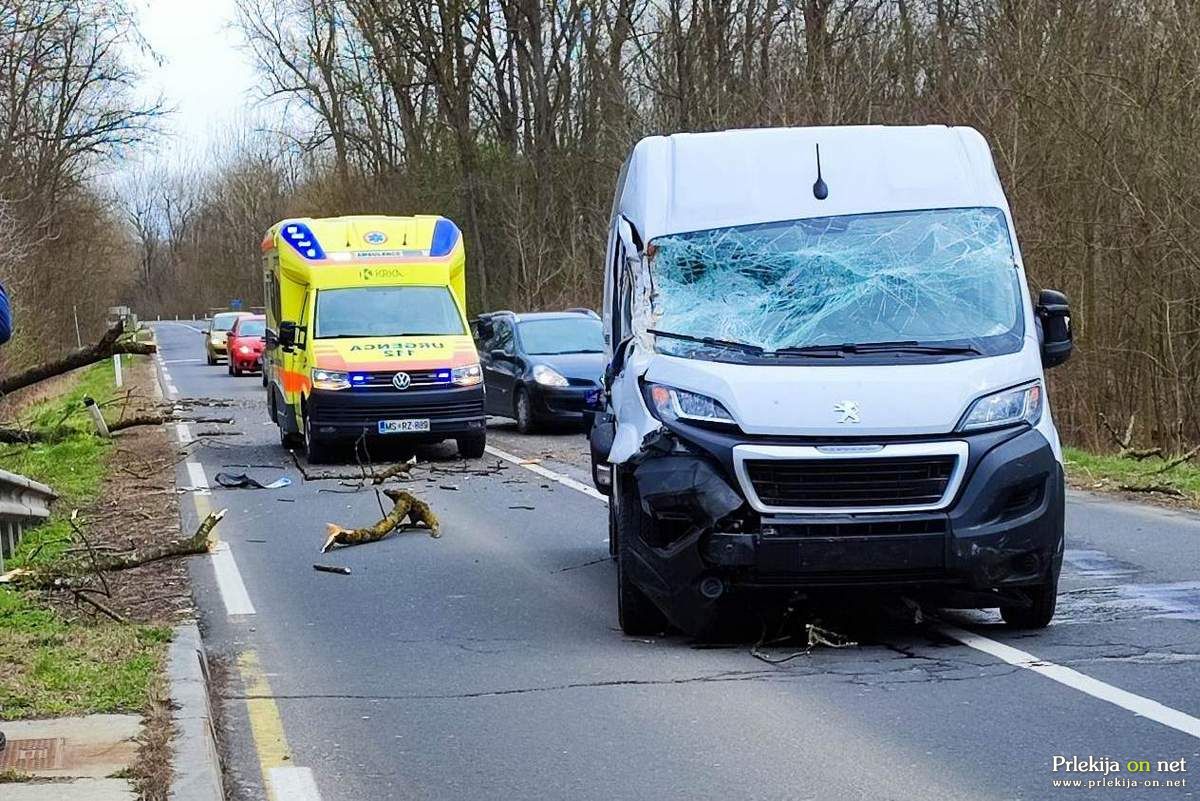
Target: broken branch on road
{"type": "Point", "coordinates": [406, 506]}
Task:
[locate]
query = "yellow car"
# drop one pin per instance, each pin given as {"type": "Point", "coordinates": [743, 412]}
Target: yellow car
{"type": "Point", "coordinates": [217, 333]}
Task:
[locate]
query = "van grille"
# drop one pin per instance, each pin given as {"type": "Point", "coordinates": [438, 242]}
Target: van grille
{"type": "Point", "coordinates": [851, 483]}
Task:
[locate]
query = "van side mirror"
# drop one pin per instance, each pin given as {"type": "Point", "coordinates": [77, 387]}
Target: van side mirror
{"type": "Point", "coordinates": [498, 354]}
{"type": "Point", "coordinates": [289, 334]}
{"type": "Point", "coordinates": [1054, 312]}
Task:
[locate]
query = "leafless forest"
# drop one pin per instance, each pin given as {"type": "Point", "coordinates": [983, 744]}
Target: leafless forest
{"type": "Point", "coordinates": [513, 117]}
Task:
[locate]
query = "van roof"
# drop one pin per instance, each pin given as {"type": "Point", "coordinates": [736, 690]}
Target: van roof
{"type": "Point", "coordinates": [699, 181]}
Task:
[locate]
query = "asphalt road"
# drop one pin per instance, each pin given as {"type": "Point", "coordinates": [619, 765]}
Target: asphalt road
{"type": "Point", "coordinates": [487, 664]}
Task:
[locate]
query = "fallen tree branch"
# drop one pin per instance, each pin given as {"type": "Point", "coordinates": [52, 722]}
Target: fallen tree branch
{"type": "Point", "coordinates": [1178, 460]}
{"type": "Point", "coordinates": [64, 573]}
{"type": "Point", "coordinates": [405, 506]}
{"type": "Point", "coordinates": [108, 345]}
{"type": "Point", "coordinates": [1163, 489]}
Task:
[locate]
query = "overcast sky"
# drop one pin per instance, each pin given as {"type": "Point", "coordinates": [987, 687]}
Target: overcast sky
{"type": "Point", "coordinates": [204, 73]}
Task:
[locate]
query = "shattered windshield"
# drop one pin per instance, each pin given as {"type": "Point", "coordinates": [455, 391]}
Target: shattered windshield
{"type": "Point", "coordinates": [938, 277]}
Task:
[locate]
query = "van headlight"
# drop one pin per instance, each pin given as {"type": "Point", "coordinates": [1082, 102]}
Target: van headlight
{"type": "Point", "coordinates": [669, 403]}
{"type": "Point", "coordinates": [467, 376]}
{"type": "Point", "coordinates": [548, 376]}
{"type": "Point", "coordinates": [330, 379]}
{"type": "Point", "coordinates": [1016, 405]}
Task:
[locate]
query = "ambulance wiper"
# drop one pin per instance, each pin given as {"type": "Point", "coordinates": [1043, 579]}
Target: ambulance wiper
{"type": "Point", "coordinates": [719, 343]}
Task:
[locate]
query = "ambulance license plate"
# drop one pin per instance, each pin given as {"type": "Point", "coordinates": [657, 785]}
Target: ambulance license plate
{"type": "Point", "coordinates": [403, 426]}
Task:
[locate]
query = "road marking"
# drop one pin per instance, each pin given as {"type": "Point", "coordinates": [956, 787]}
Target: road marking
{"type": "Point", "coordinates": [181, 361]}
{"type": "Point", "coordinates": [1145, 707]}
{"type": "Point", "coordinates": [199, 481]}
{"type": "Point", "coordinates": [266, 727]}
{"type": "Point", "coordinates": [182, 433]}
{"type": "Point", "coordinates": [229, 581]}
{"type": "Point", "coordinates": [566, 481]}
{"type": "Point", "coordinates": [172, 391]}
{"type": "Point", "coordinates": [229, 578]}
{"type": "Point", "coordinates": [294, 784]}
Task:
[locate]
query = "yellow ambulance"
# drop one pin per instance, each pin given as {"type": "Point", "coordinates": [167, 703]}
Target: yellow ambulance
{"type": "Point", "coordinates": [367, 334]}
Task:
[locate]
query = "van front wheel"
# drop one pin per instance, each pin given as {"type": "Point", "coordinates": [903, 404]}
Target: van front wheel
{"type": "Point", "coordinates": [317, 451]}
{"type": "Point", "coordinates": [636, 613]}
{"type": "Point", "coordinates": [1037, 615]}
{"type": "Point", "coordinates": [471, 446]}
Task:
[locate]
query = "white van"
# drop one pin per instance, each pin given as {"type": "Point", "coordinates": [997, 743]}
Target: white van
{"type": "Point", "coordinates": [825, 372]}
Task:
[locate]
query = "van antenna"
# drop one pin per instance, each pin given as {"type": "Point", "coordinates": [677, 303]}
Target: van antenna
{"type": "Point", "coordinates": [820, 189]}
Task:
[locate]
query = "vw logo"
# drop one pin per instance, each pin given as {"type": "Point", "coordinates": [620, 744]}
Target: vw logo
{"type": "Point", "coordinates": [848, 410]}
{"type": "Point", "coordinates": [401, 381]}
{"type": "Point", "coordinates": [374, 237]}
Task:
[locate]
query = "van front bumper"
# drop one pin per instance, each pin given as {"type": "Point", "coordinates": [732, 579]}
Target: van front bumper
{"type": "Point", "coordinates": [348, 414]}
{"type": "Point", "coordinates": [1003, 529]}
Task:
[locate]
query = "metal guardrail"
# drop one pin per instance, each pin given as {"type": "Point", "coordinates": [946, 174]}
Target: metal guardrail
{"type": "Point", "coordinates": [24, 503]}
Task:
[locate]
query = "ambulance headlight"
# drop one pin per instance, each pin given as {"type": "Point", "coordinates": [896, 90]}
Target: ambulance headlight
{"type": "Point", "coordinates": [330, 379]}
{"type": "Point", "coordinates": [669, 403]}
{"type": "Point", "coordinates": [548, 376]}
{"type": "Point", "coordinates": [467, 376]}
{"type": "Point", "coordinates": [1016, 405]}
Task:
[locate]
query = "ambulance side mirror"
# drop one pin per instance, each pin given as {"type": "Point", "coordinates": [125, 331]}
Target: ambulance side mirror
{"type": "Point", "coordinates": [289, 334]}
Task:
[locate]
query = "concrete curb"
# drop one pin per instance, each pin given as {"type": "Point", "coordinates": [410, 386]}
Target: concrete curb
{"type": "Point", "coordinates": [195, 763]}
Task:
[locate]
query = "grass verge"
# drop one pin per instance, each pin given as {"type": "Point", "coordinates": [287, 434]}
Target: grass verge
{"type": "Point", "coordinates": [1111, 472]}
{"type": "Point", "coordinates": [53, 663]}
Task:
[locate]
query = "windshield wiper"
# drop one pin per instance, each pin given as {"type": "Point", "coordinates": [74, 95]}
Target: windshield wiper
{"type": "Point", "coordinates": [902, 346]}
{"type": "Point", "coordinates": [719, 343]}
{"type": "Point", "coordinates": [910, 346]}
{"type": "Point", "coordinates": [820, 351]}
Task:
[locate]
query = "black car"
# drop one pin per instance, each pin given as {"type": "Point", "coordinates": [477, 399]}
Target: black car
{"type": "Point", "coordinates": [540, 367]}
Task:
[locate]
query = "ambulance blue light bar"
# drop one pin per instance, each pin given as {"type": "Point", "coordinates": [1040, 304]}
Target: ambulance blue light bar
{"type": "Point", "coordinates": [302, 239]}
{"type": "Point", "coordinates": [445, 237]}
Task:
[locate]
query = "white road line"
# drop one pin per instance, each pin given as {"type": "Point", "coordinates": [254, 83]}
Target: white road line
{"type": "Point", "coordinates": [294, 784]}
{"type": "Point", "coordinates": [181, 361]}
{"type": "Point", "coordinates": [1145, 707]}
{"type": "Point", "coordinates": [199, 481]}
{"type": "Point", "coordinates": [229, 582]}
{"type": "Point", "coordinates": [182, 433]}
{"type": "Point", "coordinates": [172, 391]}
{"type": "Point", "coordinates": [566, 481]}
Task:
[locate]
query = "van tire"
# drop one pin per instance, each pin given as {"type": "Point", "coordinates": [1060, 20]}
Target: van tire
{"type": "Point", "coordinates": [1043, 600]}
{"type": "Point", "coordinates": [636, 613]}
{"type": "Point", "coordinates": [612, 529]}
{"type": "Point", "coordinates": [523, 412]}
{"type": "Point", "coordinates": [471, 446]}
{"type": "Point", "coordinates": [317, 451]}
{"type": "Point", "coordinates": [209, 356]}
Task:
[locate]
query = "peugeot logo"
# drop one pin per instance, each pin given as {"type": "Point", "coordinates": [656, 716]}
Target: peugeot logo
{"type": "Point", "coordinates": [401, 381]}
{"type": "Point", "coordinates": [848, 410]}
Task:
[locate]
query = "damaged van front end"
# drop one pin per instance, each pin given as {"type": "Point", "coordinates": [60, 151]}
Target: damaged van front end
{"type": "Point", "coordinates": [850, 401]}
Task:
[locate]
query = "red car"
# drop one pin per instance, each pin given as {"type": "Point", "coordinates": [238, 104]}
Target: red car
{"type": "Point", "coordinates": [246, 340]}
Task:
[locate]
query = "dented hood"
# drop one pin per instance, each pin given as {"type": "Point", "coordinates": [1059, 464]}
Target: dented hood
{"type": "Point", "coordinates": [369, 354]}
{"type": "Point", "coordinates": [806, 400]}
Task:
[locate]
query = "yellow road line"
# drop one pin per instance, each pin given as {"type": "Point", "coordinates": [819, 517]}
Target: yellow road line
{"type": "Point", "coordinates": [266, 726]}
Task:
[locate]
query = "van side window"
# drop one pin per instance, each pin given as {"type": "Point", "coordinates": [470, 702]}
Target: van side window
{"type": "Point", "coordinates": [619, 323]}
{"type": "Point", "coordinates": [626, 307]}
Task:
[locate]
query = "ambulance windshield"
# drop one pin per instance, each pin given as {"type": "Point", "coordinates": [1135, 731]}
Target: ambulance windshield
{"type": "Point", "coordinates": [387, 311]}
